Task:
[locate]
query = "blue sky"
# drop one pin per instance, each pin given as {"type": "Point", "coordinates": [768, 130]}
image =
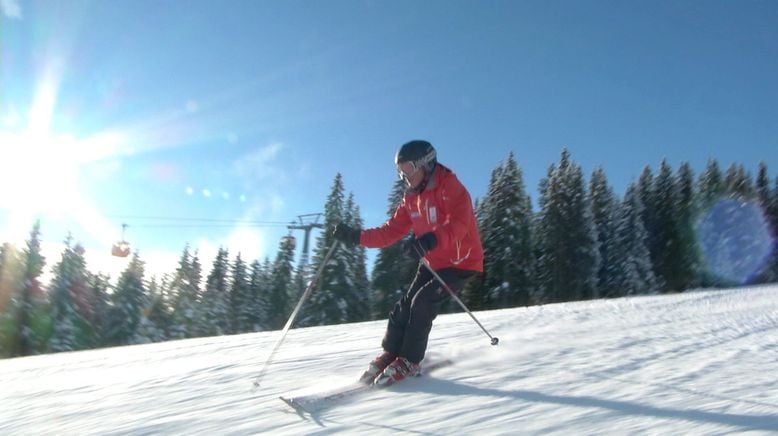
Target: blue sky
{"type": "Point", "coordinates": [132, 111]}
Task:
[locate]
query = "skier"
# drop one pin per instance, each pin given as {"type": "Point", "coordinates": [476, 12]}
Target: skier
{"type": "Point", "coordinates": [438, 209]}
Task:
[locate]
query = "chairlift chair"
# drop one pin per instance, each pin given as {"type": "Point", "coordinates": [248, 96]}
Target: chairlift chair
{"type": "Point", "coordinates": [121, 248]}
{"type": "Point", "coordinates": [289, 240]}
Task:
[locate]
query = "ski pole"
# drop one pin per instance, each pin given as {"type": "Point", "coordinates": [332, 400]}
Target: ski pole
{"type": "Point", "coordinates": [294, 314]}
{"type": "Point", "coordinates": [495, 340]}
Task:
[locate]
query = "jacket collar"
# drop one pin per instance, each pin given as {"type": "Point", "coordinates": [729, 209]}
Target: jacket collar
{"type": "Point", "coordinates": [431, 181]}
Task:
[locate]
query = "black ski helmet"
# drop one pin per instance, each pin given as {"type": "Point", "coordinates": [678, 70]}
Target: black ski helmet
{"type": "Point", "coordinates": [421, 153]}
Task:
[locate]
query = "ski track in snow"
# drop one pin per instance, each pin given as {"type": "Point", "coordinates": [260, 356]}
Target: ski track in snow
{"type": "Point", "coordinates": [694, 363]}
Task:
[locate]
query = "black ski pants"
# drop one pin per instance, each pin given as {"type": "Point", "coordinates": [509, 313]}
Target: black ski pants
{"type": "Point", "coordinates": [410, 321]}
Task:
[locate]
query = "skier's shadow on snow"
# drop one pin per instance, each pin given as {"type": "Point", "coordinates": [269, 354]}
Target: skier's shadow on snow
{"type": "Point", "coordinates": [319, 418]}
{"type": "Point", "coordinates": [450, 388]}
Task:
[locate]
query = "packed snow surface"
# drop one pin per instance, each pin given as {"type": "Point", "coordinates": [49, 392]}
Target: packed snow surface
{"type": "Point", "coordinates": [693, 363]}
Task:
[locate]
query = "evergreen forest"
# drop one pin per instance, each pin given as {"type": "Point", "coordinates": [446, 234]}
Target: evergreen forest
{"type": "Point", "coordinates": [671, 231]}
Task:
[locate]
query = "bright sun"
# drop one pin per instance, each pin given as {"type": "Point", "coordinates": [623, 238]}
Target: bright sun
{"type": "Point", "coordinates": [39, 171]}
{"type": "Point", "coordinates": [38, 174]}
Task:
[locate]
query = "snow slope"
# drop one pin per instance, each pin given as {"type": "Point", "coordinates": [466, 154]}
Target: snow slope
{"type": "Point", "coordinates": [694, 363]}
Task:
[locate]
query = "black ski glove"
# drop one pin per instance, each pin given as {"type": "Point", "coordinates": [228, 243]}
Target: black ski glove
{"type": "Point", "coordinates": [417, 248]}
{"type": "Point", "coordinates": [346, 234]}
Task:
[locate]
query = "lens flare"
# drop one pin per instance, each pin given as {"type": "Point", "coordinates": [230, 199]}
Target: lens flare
{"type": "Point", "coordinates": [735, 240]}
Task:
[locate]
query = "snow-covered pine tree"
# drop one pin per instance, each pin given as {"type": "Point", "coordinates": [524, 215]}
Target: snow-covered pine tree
{"type": "Point", "coordinates": [30, 325]}
{"type": "Point", "coordinates": [185, 294]}
{"type": "Point", "coordinates": [763, 192]}
{"type": "Point", "coordinates": [604, 208]}
{"type": "Point", "coordinates": [629, 270]}
{"type": "Point", "coordinates": [772, 274]}
{"type": "Point", "coordinates": [738, 183]}
{"type": "Point", "coordinates": [505, 229]}
{"type": "Point", "coordinates": [668, 243]}
{"type": "Point", "coordinates": [214, 305]}
{"type": "Point", "coordinates": [83, 300]}
{"type": "Point", "coordinates": [393, 270]}
{"type": "Point", "coordinates": [259, 312]}
{"type": "Point", "coordinates": [539, 228]}
{"type": "Point", "coordinates": [567, 240]}
{"type": "Point", "coordinates": [10, 283]}
{"type": "Point", "coordinates": [648, 198]}
{"type": "Point", "coordinates": [335, 288]}
{"type": "Point", "coordinates": [710, 186]}
{"type": "Point", "coordinates": [586, 237]}
{"type": "Point", "coordinates": [689, 264]}
{"type": "Point", "coordinates": [70, 329]}
{"type": "Point", "coordinates": [240, 297]}
{"type": "Point", "coordinates": [710, 190]}
{"type": "Point", "coordinates": [676, 256]}
{"type": "Point", "coordinates": [127, 304]}
{"type": "Point", "coordinates": [148, 331]}
{"type": "Point", "coordinates": [301, 278]}
{"type": "Point", "coordinates": [281, 286]}
{"type": "Point", "coordinates": [98, 289]}
{"type": "Point", "coordinates": [767, 204]}
{"type": "Point", "coordinates": [360, 300]}
{"type": "Point", "coordinates": [156, 320]}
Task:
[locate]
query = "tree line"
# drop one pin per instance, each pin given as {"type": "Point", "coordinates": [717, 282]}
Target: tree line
{"type": "Point", "coordinates": [669, 232]}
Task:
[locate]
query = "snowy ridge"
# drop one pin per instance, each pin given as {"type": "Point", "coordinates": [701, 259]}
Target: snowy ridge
{"type": "Point", "coordinates": [693, 363]}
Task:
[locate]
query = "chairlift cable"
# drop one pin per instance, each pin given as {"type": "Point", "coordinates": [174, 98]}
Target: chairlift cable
{"type": "Point", "coordinates": [192, 219]}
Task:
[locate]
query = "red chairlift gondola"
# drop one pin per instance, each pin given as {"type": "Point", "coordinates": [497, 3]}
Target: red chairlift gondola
{"type": "Point", "coordinates": [121, 248]}
{"type": "Point", "coordinates": [289, 240]}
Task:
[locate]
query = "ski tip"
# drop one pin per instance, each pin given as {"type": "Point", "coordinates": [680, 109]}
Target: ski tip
{"type": "Point", "coordinates": [435, 364]}
{"type": "Point", "coordinates": [366, 380]}
{"type": "Point", "coordinates": [382, 382]}
{"type": "Point", "coordinates": [289, 401]}
{"type": "Point", "coordinates": [294, 405]}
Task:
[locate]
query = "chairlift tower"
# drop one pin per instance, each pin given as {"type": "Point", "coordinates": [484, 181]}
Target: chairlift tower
{"type": "Point", "coordinates": [306, 223]}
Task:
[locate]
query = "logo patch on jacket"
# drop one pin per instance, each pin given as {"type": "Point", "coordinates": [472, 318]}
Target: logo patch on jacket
{"type": "Point", "coordinates": [415, 215]}
{"type": "Point", "coordinates": [433, 214]}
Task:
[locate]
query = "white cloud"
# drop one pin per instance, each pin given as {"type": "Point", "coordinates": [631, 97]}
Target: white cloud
{"type": "Point", "coordinates": [160, 262]}
{"type": "Point", "coordinates": [263, 176]}
{"type": "Point", "coordinates": [11, 9]}
{"type": "Point", "coordinates": [260, 163]}
{"type": "Point", "coordinates": [206, 253]}
{"type": "Point", "coordinates": [250, 243]}
{"type": "Point", "coordinates": [269, 207]}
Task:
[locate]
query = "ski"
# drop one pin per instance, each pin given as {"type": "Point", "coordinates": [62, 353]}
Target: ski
{"type": "Point", "coordinates": [314, 402]}
{"type": "Point", "coordinates": [309, 404]}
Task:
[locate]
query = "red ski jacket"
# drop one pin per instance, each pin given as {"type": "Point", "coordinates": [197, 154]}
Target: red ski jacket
{"type": "Point", "coordinates": [444, 208]}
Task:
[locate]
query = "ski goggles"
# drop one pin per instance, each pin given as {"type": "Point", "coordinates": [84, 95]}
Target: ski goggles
{"type": "Point", "coordinates": [406, 170]}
